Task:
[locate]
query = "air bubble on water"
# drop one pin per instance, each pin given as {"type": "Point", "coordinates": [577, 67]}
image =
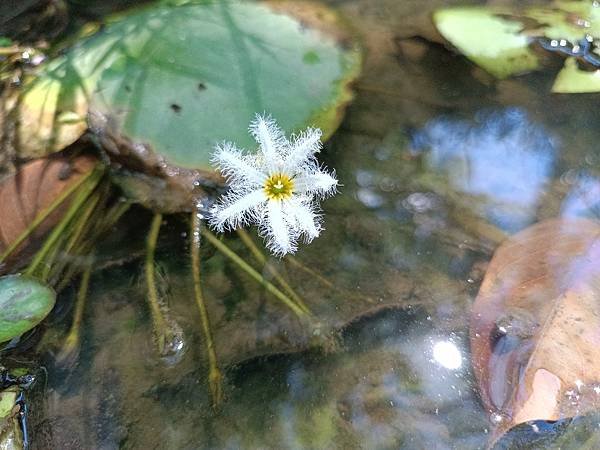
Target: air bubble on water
{"type": "Point", "coordinates": [420, 202]}
{"type": "Point", "coordinates": [590, 159]}
{"type": "Point", "coordinates": [364, 178]}
{"type": "Point", "coordinates": [496, 418]}
{"type": "Point", "coordinates": [370, 198]}
{"type": "Point", "coordinates": [387, 184]}
{"type": "Point", "coordinates": [569, 177]}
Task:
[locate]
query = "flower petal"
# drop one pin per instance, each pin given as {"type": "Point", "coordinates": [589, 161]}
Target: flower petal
{"type": "Point", "coordinates": [271, 140]}
{"type": "Point", "coordinates": [280, 237]}
{"type": "Point", "coordinates": [303, 149]}
{"type": "Point", "coordinates": [307, 220]}
{"type": "Point", "coordinates": [235, 166]}
{"type": "Point", "coordinates": [237, 209]}
{"type": "Point", "coordinates": [321, 183]}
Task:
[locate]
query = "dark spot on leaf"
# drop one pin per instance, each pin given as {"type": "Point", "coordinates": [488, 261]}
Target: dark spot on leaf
{"type": "Point", "coordinates": [127, 88]}
{"type": "Point", "coordinates": [201, 86]}
{"type": "Point", "coordinates": [175, 107]}
{"type": "Point", "coordinates": [311, 57]}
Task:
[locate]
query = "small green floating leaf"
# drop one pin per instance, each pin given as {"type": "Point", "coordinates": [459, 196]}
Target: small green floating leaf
{"type": "Point", "coordinates": [7, 403]}
{"type": "Point", "coordinates": [10, 433]}
{"type": "Point", "coordinates": [572, 80]}
{"type": "Point", "coordinates": [24, 303]}
{"type": "Point", "coordinates": [567, 19]}
{"type": "Point", "coordinates": [503, 46]}
{"type": "Point", "coordinates": [180, 77]}
{"type": "Point", "coordinates": [492, 42]}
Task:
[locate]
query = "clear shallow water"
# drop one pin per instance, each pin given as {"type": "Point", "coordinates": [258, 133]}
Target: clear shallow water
{"type": "Point", "coordinates": [438, 164]}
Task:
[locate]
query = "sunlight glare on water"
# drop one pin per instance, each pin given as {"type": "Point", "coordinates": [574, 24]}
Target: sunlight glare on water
{"type": "Point", "coordinates": [447, 354]}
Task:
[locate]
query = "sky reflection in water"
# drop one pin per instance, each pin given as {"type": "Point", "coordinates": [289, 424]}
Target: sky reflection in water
{"type": "Point", "coordinates": [501, 155]}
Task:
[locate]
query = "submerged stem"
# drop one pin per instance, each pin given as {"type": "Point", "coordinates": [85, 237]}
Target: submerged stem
{"type": "Point", "coordinates": [324, 281]}
{"type": "Point", "coordinates": [254, 274]}
{"type": "Point", "coordinates": [169, 336]}
{"type": "Point", "coordinates": [51, 271]}
{"type": "Point", "coordinates": [71, 346]}
{"type": "Point", "coordinates": [158, 319]}
{"type": "Point", "coordinates": [58, 232]}
{"type": "Point", "coordinates": [262, 259]}
{"type": "Point", "coordinates": [84, 245]}
{"type": "Point", "coordinates": [215, 378]}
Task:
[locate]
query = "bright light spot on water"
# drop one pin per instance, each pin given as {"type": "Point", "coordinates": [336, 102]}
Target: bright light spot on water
{"type": "Point", "coordinates": [447, 354]}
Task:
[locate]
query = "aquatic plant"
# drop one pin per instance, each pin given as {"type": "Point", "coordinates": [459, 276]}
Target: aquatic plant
{"type": "Point", "coordinates": [276, 188]}
{"type": "Point", "coordinates": [158, 153]}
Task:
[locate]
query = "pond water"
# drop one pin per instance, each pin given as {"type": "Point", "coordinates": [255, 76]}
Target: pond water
{"type": "Point", "coordinates": [438, 163]}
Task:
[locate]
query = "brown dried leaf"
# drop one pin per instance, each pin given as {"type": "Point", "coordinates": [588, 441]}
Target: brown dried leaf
{"type": "Point", "coordinates": [535, 325]}
{"type": "Point", "coordinates": [30, 191]}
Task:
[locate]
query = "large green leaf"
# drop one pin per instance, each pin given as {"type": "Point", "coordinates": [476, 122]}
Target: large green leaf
{"type": "Point", "coordinates": [24, 302]}
{"type": "Point", "coordinates": [180, 78]}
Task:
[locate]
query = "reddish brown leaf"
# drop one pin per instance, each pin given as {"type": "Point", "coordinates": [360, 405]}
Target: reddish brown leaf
{"type": "Point", "coordinates": [30, 191]}
{"type": "Point", "coordinates": [535, 326]}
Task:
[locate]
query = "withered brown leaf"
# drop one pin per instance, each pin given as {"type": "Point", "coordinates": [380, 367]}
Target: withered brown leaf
{"type": "Point", "coordinates": [535, 325]}
{"type": "Point", "coordinates": [31, 190]}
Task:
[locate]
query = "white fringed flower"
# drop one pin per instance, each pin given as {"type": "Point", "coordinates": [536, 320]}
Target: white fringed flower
{"type": "Point", "coordinates": [277, 188]}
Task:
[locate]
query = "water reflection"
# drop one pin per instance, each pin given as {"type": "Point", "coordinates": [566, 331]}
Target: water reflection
{"type": "Point", "coordinates": [583, 199]}
{"type": "Point", "coordinates": [502, 156]}
{"type": "Point", "coordinates": [398, 383]}
{"type": "Point", "coordinates": [398, 380]}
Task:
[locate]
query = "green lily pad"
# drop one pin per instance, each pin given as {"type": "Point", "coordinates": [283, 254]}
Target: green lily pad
{"type": "Point", "coordinates": [181, 77]}
{"type": "Point", "coordinates": [503, 46]}
{"type": "Point", "coordinates": [24, 303]}
{"type": "Point", "coordinates": [572, 80]}
{"type": "Point", "coordinates": [492, 42]}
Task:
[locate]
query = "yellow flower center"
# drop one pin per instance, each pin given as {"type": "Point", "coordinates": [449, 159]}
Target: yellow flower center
{"type": "Point", "coordinates": [279, 187]}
